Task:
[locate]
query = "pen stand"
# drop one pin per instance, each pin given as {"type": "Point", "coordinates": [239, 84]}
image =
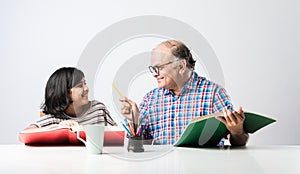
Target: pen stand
{"type": "Point", "coordinates": [135, 144]}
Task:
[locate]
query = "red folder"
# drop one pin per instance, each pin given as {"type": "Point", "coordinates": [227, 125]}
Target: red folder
{"type": "Point", "coordinates": [64, 136]}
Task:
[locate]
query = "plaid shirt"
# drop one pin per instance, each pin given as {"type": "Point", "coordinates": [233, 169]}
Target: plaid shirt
{"type": "Point", "coordinates": [167, 114]}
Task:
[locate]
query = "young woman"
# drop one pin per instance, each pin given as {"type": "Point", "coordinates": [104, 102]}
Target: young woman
{"type": "Point", "coordinates": [67, 103]}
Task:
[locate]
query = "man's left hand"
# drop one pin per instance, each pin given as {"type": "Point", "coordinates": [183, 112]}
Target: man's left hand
{"type": "Point", "coordinates": [234, 121]}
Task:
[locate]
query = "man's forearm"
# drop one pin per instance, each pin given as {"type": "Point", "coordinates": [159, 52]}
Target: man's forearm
{"type": "Point", "coordinates": [239, 140]}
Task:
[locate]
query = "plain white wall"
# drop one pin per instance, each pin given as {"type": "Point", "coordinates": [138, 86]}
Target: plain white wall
{"type": "Point", "coordinates": [256, 42]}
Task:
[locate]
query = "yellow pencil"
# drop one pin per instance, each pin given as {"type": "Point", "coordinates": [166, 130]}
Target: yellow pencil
{"type": "Point", "coordinates": [117, 90]}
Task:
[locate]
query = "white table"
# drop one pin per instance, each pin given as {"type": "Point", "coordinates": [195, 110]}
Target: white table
{"type": "Point", "coordinates": [155, 159]}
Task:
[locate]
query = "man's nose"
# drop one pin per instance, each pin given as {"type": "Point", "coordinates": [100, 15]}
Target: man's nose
{"type": "Point", "coordinates": [154, 74]}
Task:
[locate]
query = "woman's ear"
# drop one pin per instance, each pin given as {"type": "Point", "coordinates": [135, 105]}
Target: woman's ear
{"type": "Point", "coordinates": [70, 95]}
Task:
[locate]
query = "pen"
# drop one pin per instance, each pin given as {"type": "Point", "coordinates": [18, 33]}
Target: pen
{"type": "Point", "coordinates": [138, 131]}
{"type": "Point", "coordinates": [142, 129]}
{"type": "Point", "coordinates": [127, 130]}
{"type": "Point", "coordinates": [134, 127]}
{"type": "Point", "coordinates": [131, 130]}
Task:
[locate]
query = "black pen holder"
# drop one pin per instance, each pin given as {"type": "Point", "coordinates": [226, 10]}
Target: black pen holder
{"type": "Point", "coordinates": [135, 144]}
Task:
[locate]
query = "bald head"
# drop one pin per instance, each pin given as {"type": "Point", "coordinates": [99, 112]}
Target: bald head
{"type": "Point", "coordinates": [177, 49]}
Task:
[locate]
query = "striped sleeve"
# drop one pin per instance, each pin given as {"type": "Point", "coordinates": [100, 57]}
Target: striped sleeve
{"type": "Point", "coordinates": [98, 113]}
{"type": "Point", "coordinates": [47, 120]}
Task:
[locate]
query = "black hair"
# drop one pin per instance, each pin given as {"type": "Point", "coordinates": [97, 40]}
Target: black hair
{"type": "Point", "coordinates": [181, 51]}
{"type": "Point", "coordinates": [57, 90]}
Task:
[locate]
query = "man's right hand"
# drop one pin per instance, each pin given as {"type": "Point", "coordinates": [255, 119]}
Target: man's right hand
{"type": "Point", "coordinates": [128, 108]}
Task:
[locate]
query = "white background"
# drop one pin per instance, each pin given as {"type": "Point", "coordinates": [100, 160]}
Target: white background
{"type": "Point", "coordinates": [256, 42]}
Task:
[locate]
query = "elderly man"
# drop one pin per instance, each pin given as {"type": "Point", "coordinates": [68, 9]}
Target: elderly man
{"type": "Point", "coordinates": [180, 96]}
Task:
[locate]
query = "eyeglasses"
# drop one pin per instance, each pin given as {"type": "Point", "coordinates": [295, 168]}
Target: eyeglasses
{"type": "Point", "coordinates": [156, 69]}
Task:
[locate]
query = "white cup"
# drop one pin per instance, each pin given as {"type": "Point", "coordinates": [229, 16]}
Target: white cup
{"type": "Point", "coordinates": [94, 138]}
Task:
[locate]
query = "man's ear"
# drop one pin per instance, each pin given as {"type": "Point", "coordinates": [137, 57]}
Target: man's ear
{"type": "Point", "coordinates": [182, 65]}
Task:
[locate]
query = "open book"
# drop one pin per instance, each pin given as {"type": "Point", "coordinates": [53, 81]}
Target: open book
{"type": "Point", "coordinates": [55, 135]}
{"type": "Point", "coordinates": [208, 130]}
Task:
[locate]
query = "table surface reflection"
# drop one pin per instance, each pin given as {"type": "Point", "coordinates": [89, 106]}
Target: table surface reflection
{"type": "Point", "coordinates": [155, 159]}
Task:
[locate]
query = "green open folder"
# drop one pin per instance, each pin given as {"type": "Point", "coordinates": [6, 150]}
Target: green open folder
{"type": "Point", "coordinates": [208, 131]}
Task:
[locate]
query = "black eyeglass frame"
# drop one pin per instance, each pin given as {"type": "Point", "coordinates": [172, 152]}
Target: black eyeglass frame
{"type": "Point", "coordinates": [156, 69]}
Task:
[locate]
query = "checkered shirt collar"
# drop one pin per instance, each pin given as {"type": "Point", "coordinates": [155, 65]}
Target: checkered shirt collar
{"type": "Point", "coordinates": [188, 85]}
